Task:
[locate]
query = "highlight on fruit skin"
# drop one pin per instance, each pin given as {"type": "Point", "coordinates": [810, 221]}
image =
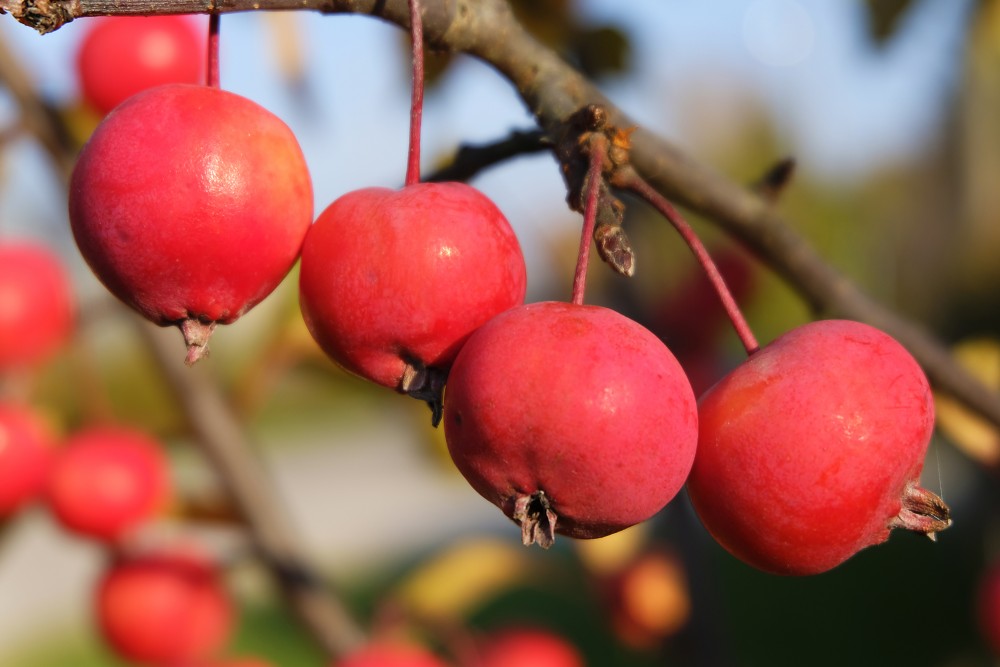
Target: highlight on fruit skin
{"type": "Point", "coordinates": [572, 419]}
{"type": "Point", "coordinates": [812, 448]}
{"type": "Point", "coordinates": [190, 204]}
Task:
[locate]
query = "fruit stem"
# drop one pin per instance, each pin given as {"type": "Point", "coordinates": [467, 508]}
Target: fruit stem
{"type": "Point", "coordinates": [212, 72]}
{"type": "Point", "coordinates": [627, 178]}
{"type": "Point", "coordinates": [594, 179]}
{"type": "Point", "coordinates": [417, 96]}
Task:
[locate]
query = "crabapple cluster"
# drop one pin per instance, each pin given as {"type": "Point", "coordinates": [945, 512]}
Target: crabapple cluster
{"type": "Point", "coordinates": [572, 419]}
{"type": "Point", "coordinates": [191, 204]}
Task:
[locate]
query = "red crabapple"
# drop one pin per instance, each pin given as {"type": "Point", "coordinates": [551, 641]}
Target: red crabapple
{"type": "Point", "coordinates": [393, 281]}
{"type": "Point", "coordinates": [648, 599]}
{"type": "Point", "coordinates": [36, 305]}
{"type": "Point", "coordinates": [106, 481]}
{"type": "Point", "coordinates": [164, 608]}
{"type": "Point", "coordinates": [120, 56]}
{"type": "Point", "coordinates": [26, 450]}
{"type": "Point", "coordinates": [390, 654]}
{"type": "Point", "coordinates": [987, 610]}
{"type": "Point", "coordinates": [528, 647]}
{"type": "Point", "coordinates": [812, 448]}
{"type": "Point", "coordinates": [190, 204]}
{"type": "Point", "coordinates": [572, 419]}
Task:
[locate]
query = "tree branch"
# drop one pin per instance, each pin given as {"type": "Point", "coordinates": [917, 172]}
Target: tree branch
{"type": "Point", "coordinates": [224, 443]}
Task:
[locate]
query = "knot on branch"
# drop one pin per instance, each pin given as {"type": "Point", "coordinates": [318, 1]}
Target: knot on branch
{"type": "Point", "coordinates": [45, 16]}
{"type": "Point", "coordinates": [592, 136]}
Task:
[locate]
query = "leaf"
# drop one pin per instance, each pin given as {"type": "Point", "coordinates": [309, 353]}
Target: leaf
{"type": "Point", "coordinates": [461, 578]}
{"type": "Point", "coordinates": [969, 432]}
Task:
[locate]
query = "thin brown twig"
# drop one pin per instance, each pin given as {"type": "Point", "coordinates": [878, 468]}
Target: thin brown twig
{"type": "Point", "coordinates": [222, 439]}
{"type": "Point", "coordinates": [470, 159]}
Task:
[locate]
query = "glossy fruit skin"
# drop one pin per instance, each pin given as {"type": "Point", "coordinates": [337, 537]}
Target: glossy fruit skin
{"type": "Point", "coordinates": [529, 647]}
{"type": "Point", "coordinates": [190, 203]}
{"type": "Point", "coordinates": [27, 448]}
{"type": "Point", "coordinates": [120, 56]}
{"type": "Point", "coordinates": [575, 401]}
{"type": "Point", "coordinates": [108, 480]}
{"type": "Point", "coordinates": [808, 447]}
{"type": "Point", "coordinates": [37, 309]}
{"type": "Point", "coordinates": [392, 278]}
{"type": "Point", "coordinates": [987, 609]}
{"type": "Point", "coordinates": [164, 608]}
{"type": "Point", "coordinates": [390, 654]}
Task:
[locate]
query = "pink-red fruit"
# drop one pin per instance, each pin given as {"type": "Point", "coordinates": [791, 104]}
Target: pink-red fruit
{"type": "Point", "coordinates": [164, 608]}
{"type": "Point", "coordinates": [120, 56]}
{"type": "Point", "coordinates": [106, 481]}
{"type": "Point", "coordinates": [26, 451]}
{"type": "Point", "coordinates": [988, 607]}
{"type": "Point", "coordinates": [571, 419]}
{"type": "Point", "coordinates": [391, 654]}
{"type": "Point", "coordinates": [393, 281]}
{"type": "Point", "coordinates": [190, 204]}
{"type": "Point", "coordinates": [528, 647]}
{"type": "Point", "coordinates": [811, 449]}
{"type": "Point", "coordinates": [36, 305]}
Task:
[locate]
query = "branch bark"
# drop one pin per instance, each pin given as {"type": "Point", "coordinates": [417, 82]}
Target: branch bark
{"type": "Point", "coordinates": [553, 91]}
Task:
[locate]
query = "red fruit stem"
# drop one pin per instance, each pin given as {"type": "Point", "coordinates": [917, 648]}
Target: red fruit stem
{"type": "Point", "coordinates": [417, 97]}
{"type": "Point", "coordinates": [639, 186]}
{"type": "Point", "coordinates": [589, 219]}
{"type": "Point", "coordinates": [212, 73]}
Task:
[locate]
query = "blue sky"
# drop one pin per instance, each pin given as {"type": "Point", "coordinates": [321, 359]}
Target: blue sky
{"type": "Point", "coordinates": [841, 106]}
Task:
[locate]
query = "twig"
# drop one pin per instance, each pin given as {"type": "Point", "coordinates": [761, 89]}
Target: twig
{"type": "Point", "coordinates": [221, 438]}
{"type": "Point", "coordinates": [472, 159]}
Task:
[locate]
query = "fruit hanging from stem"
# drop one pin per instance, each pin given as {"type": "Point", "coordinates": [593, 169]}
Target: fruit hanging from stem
{"type": "Point", "coordinates": [811, 449]}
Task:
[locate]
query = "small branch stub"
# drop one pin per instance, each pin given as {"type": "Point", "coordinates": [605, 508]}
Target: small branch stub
{"type": "Point", "coordinates": [537, 519]}
{"type": "Point", "coordinates": [922, 512]}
